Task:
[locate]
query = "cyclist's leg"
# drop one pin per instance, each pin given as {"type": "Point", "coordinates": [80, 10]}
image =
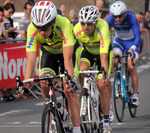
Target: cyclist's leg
{"type": "Point", "coordinates": [110, 57]}
{"type": "Point", "coordinates": [133, 71]}
{"type": "Point", "coordinates": [86, 62]}
{"type": "Point", "coordinates": [47, 66]}
{"type": "Point", "coordinates": [72, 97]}
{"type": "Point", "coordinates": [118, 49]}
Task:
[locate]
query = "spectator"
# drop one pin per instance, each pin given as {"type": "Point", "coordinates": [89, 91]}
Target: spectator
{"type": "Point", "coordinates": [142, 30]}
{"type": "Point", "coordinates": [3, 32]}
{"type": "Point", "coordinates": [100, 5]}
{"type": "Point", "coordinates": [143, 23]}
{"type": "Point", "coordinates": [63, 8]}
{"type": "Point", "coordinates": [7, 1]}
{"type": "Point", "coordinates": [73, 16]}
{"type": "Point", "coordinates": [4, 35]}
{"type": "Point", "coordinates": [147, 19]}
{"type": "Point", "coordinates": [9, 9]}
{"type": "Point", "coordinates": [25, 20]}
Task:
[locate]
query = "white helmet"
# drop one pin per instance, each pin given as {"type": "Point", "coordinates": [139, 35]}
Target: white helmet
{"type": "Point", "coordinates": [43, 14]}
{"type": "Point", "coordinates": [88, 14]}
{"type": "Point", "coordinates": [118, 8]}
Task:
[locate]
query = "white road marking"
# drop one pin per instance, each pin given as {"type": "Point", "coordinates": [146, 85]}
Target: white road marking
{"type": "Point", "coordinates": [15, 111]}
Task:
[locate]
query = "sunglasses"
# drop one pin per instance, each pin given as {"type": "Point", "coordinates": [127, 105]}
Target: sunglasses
{"type": "Point", "coordinates": [88, 24]}
{"type": "Point", "coordinates": [118, 16]}
{"type": "Point", "coordinates": [45, 27]}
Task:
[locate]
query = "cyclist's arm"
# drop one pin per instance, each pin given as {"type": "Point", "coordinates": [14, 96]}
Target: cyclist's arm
{"type": "Point", "coordinates": [104, 61]}
{"type": "Point", "coordinates": [31, 61]}
{"type": "Point", "coordinates": [67, 54]}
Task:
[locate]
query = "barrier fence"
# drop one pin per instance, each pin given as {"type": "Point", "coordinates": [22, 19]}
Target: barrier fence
{"type": "Point", "coordinates": [146, 42]}
{"type": "Point", "coordinates": [13, 60]}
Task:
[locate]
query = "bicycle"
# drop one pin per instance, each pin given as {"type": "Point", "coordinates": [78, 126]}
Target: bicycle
{"type": "Point", "coordinates": [91, 112]}
{"type": "Point", "coordinates": [122, 88]}
{"type": "Point", "coordinates": [52, 122]}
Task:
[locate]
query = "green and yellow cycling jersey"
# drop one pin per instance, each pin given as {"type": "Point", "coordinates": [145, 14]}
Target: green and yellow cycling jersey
{"type": "Point", "coordinates": [62, 36]}
{"type": "Point", "coordinates": [100, 40]}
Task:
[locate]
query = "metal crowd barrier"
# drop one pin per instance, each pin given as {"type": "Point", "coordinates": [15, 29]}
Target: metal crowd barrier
{"type": "Point", "coordinates": [146, 42]}
{"type": "Point", "coordinates": [12, 41]}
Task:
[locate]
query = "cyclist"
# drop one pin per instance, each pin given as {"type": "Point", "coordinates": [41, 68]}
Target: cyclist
{"type": "Point", "coordinates": [58, 42]}
{"type": "Point", "coordinates": [93, 33]}
{"type": "Point", "coordinates": [127, 38]}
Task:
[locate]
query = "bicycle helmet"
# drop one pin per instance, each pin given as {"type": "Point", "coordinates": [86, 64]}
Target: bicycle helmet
{"type": "Point", "coordinates": [43, 14]}
{"type": "Point", "coordinates": [88, 14]}
{"type": "Point", "coordinates": [117, 8]}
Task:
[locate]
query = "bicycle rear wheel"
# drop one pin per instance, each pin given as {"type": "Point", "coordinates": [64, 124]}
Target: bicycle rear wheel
{"type": "Point", "coordinates": [51, 121]}
{"type": "Point", "coordinates": [119, 103]}
{"type": "Point", "coordinates": [86, 124]}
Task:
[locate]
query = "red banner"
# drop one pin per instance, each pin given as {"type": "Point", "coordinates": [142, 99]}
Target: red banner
{"type": "Point", "coordinates": [13, 63]}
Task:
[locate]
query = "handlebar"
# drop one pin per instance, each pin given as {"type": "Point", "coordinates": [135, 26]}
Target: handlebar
{"type": "Point", "coordinates": [102, 71]}
{"type": "Point", "coordinates": [66, 75]}
{"type": "Point", "coordinates": [124, 56]}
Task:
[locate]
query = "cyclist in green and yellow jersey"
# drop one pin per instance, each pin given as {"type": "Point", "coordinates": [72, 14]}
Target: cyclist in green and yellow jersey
{"type": "Point", "coordinates": [58, 42]}
{"type": "Point", "coordinates": [93, 33]}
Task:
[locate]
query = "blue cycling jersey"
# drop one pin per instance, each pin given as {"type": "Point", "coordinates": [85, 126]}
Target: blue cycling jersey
{"type": "Point", "coordinates": [128, 29]}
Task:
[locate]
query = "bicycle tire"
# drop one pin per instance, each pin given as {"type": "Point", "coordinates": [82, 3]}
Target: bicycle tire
{"type": "Point", "coordinates": [85, 127]}
{"type": "Point", "coordinates": [119, 103]}
{"type": "Point", "coordinates": [132, 108]}
{"type": "Point", "coordinates": [51, 122]}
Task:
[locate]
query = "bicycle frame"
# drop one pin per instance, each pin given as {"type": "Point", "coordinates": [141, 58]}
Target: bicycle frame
{"type": "Point", "coordinates": [90, 80]}
{"type": "Point", "coordinates": [50, 102]}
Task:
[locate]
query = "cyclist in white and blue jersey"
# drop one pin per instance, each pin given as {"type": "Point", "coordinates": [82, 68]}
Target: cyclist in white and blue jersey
{"type": "Point", "coordinates": [127, 38]}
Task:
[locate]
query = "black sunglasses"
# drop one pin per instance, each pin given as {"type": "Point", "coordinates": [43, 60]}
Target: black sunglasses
{"type": "Point", "coordinates": [89, 24]}
{"type": "Point", "coordinates": [45, 27]}
{"type": "Point", "coordinates": [118, 16]}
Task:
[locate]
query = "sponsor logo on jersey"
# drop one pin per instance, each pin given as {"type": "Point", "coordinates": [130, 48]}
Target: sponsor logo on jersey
{"type": "Point", "coordinates": [62, 34]}
{"type": "Point", "coordinates": [63, 37]}
{"type": "Point", "coordinates": [101, 36]}
{"type": "Point", "coordinates": [30, 43]}
{"type": "Point", "coordinates": [79, 32]}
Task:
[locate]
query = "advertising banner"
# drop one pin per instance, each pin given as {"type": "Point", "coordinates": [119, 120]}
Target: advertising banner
{"type": "Point", "coordinates": [13, 62]}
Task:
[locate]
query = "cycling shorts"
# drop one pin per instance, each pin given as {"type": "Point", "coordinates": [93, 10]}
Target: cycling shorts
{"type": "Point", "coordinates": [49, 62]}
{"type": "Point", "coordinates": [89, 58]}
{"type": "Point", "coordinates": [120, 46]}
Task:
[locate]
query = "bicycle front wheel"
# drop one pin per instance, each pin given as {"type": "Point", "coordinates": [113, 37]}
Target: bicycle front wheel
{"type": "Point", "coordinates": [119, 103]}
{"type": "Point", "coordinates": [86, 123]}
{"type": "Point", "coordinates": [132, 108]}
{"type": "Point", "coordinates": [50, 120]}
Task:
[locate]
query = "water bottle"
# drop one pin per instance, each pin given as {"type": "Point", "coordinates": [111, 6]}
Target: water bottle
{"type": "Point", "coordinates": [64, 114]}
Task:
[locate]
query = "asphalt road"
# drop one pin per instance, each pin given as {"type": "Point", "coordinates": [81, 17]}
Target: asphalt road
{"type": "Point", "coordinates": [25, 116]}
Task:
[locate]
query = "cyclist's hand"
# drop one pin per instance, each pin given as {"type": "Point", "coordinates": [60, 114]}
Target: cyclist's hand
{"type": "Point", "coordinates": [73, 87]}
{"type": "Point", "coordinates": [20, 96]}
{"type": "Point", "coordinates": [131, 54]}
{"type": "Point", "coordinates": [102, 84]}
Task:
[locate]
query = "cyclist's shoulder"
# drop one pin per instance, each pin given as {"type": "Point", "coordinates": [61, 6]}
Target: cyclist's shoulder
{"type": "Point", "coordinates": [62, 21]}
{"type": "Point", "coordinates": [78, 30]}
{"type": "Point", "coordinates": [102, 23]}
{"type": "Point", "coordinates": [32, 31]}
